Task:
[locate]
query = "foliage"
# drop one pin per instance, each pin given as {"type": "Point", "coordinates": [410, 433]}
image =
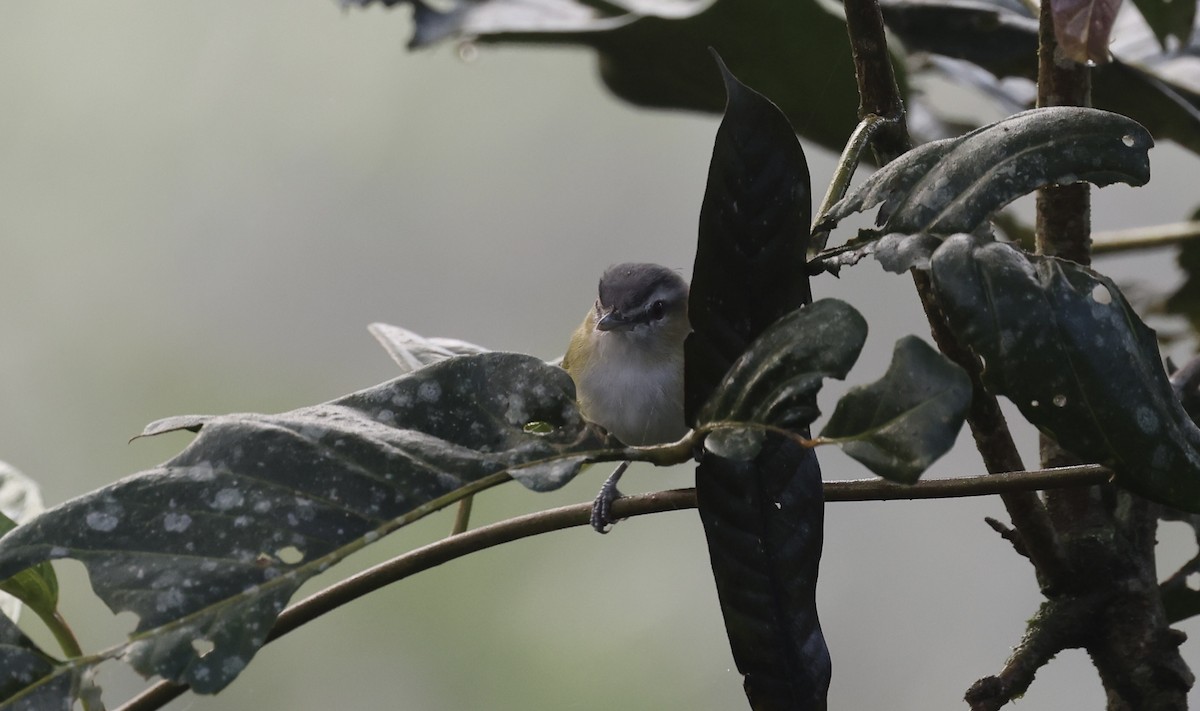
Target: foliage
{"type": "Point", "coordinates": [208, 548]}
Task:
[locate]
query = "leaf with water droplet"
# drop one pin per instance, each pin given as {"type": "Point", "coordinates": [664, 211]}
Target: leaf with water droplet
{"type": "Point", "coordinates": [955, 184]}
{"type": "Point", "coordinates": [212, 544]}
{"type": "Point", "coordinates": [1084, 370]}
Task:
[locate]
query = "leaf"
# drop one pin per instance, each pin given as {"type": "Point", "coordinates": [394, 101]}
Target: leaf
{"type": "Point", "coordinates": [20, 500]}
{"type": "Point", "coordinates": [36, 587]}
{"type": "Point", "coordinates": [776, 380]}
{"type": "Point", "coordinates": [1082, 28]}
{"type": "Point", "coordinates": [953, 185]}
{"type": "Point", "coordinates": [900, 424]}
{"type": "Point", "coordinates": [1168, 18]}
{"type": "Point", "coordinates": [1064, 345]}
{"type": "Point", "coordinates": [753, 235]}
{"type": "Point", "coordinates": [21, 663]}
{"type": "Point", "coordinates": [655, 52]}
{"type": "Point", "coordinates": [762, 516]}
{"type": "Point", "coordinates": [412, 351]}
{"type": "Point", "coordinates": [1160, 90]}
{"type": "Point", "coordinates": [211, 545]}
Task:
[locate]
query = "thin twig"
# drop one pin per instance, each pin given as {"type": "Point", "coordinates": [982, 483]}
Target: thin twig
{"type": "Point", "coordinates": [1115, 241]}
{"type": "Point", "coordinates": [513, 529]}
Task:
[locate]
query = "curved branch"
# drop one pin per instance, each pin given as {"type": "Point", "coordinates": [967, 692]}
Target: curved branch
{"type": "Point", "coordinates": [534, 524]}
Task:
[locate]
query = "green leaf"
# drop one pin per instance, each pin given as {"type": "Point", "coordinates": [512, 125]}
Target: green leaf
{"type": "Point", "coordinates": [210, 545]}
{"type": "Point", "coordinates": [1159, 89]}
{"type": "Point", "coordinates": [1064, 345]}
{"type": "Point", "coordinates": [21, 663]}
{"type": "Point", "coordinates": [1169, 18]}
{"type": "Point", "coordinates": [775, 382]}
{"type": "Point", "coordinates": [37, 587]}
{"type": "Point", "coordinates": [900, 424]}
{"type": "Point", "coordinates": [762, 514]}
{"type": "Point", "coordinates": [655, 52]}
{"type": "Point", "coordinates": [953, 185]}
{"type": "Point", "coordinates": [1082, 28]}
{"type": "Point", "coordinates": [749, 269]}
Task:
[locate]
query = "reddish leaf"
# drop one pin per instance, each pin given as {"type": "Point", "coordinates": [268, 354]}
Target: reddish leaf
{"type": "Point", "coordinates": [1082, 28]}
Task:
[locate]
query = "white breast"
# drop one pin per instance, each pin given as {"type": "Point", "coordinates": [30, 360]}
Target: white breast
{"type": "Point", "coordinates": [636, 396]}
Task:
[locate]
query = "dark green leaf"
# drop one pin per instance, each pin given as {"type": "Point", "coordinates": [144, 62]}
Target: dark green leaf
{"type": "Point", "coordinates": [22, 664]}
{"type": "Point", "coordinates": [750, 256]}
{"type": "Point", "coordinates": [763, 516]}
{"type": "Point", "coordinates": [211, 545]}
{"type": "Point", "coordinates": [1063, 344]}
{"type": "Point", "coordinates": [902, 423]}
{"type": "Point", "coordinates": [1169, 18]}
{"type": "Point", "coordinates": [1160, 90]}
{"type": "Point", "coordinates": [776, 380]}
{"type": "Point", "coordinates": [655, 52]}
{"type": "Point", "coordinates": [953, 185]}
{"type": "Point", "coordinates": [1082, 28]}
{"type": "Point", "coordinates": [1002, 37]}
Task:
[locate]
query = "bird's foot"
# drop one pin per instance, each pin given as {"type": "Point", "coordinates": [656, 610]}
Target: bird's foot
{"type": "Point", "coordinates": [602, 516]}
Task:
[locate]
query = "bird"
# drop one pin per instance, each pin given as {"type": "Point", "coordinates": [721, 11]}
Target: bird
{"type": "Point", "coordinates": [626, 360]}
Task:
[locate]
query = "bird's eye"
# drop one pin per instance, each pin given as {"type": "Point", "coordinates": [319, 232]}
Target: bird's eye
{"type": "Point", "coordinates": [657, 310]}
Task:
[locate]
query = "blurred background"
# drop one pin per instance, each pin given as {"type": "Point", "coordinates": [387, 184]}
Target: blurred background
{"type": "Point", "coordinates": [202, 206]}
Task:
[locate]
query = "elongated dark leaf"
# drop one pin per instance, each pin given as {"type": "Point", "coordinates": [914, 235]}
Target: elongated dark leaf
{"type": "Point", "coordinates": [1082, 28]}
{"type": "Point", "coordinates": [749, 267]}
{"type": "Point", "coordinates": [776, 380]}
{"type": "Point", "coordinates": [1169, 18]}
{"type": "Point", "coordinates": [1063, 344]}
{"type": "Point", "coordinates": [762, 516]}
{"type": "Point", "coordinates": [903, 422]}
{"type": "Point", "coordinates": [954, 185]}
{"type": "Point", "coordinates": [210, 546]}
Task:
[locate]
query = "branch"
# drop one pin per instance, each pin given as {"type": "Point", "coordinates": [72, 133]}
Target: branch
{"type": "Point", "coordinates": [534, 524]}
{"type": "Point", "coordinates": [880, 95]}
{"type": "Point", "coordinates": [1114, 241]}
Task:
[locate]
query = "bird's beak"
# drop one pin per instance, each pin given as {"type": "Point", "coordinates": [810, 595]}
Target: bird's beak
{"type": "Point", "coordinates": [612, 321]}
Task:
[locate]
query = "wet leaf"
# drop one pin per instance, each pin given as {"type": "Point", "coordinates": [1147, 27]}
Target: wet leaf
{"type": "Point", "coordinates": [776, 380]}
{"type": "Point", "coordinates": [209, 546]}
{"type": "Point", "coordinates": [1083, 27]}
{"type": "Point", "coordinates": [900, 424]}
{"type": "Point", "coordinates": [953, 185]}
{"type": "Point", "coordinates": [1064, 345]}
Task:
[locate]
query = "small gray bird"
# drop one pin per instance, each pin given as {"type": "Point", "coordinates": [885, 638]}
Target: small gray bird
{"type": "Point", "coordinates": [626, 358]}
